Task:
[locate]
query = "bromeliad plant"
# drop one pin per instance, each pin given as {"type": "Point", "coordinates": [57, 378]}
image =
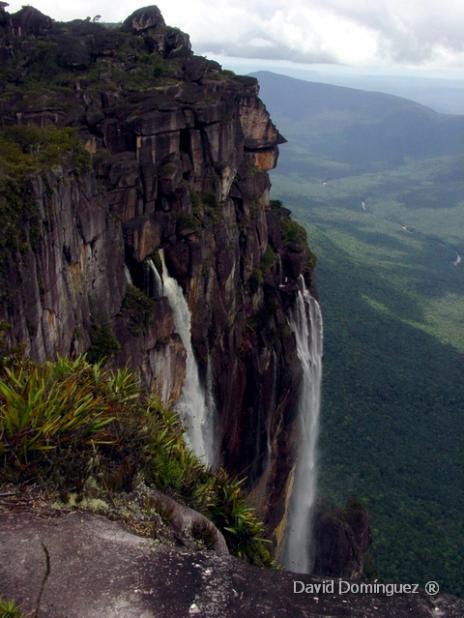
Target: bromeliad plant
{"type": "Point", "coordinates": [172, 467]}
{"type": "Point", "coordinates": [67, 420]}
{"type": "Point", "coordinates": [40, 412]}
{"type": "Point", "coordinates": [9, 609]}
{"type": "Point", "coordinates": [59, 411]}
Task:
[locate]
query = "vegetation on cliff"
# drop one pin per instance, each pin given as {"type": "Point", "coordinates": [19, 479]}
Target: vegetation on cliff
{"type": "Point", "coordinates": [65, 422]}
{"type": "Point", "coordinates": [99, 58]}
{"type": "Point", "coordinates": [26, 151]}
{"type": "Point", "coordinates": [9, 609]}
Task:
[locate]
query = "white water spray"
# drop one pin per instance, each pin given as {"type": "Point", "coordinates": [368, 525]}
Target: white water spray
{"type": "Point", "coordinates": [158, 282]}
{"type": "Point", "coordinates": [210, 430]}
{"type": "Point", "coordinates": [306, 323]}
{"type": "Point", "coordinates": [128, 275]}
{"type": "Point", "coordinates": [193, 404]}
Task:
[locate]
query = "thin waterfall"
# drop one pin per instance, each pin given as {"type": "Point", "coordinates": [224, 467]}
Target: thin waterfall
{"type": "Point", "coordinates": [306, 323]}
{"type": "Point", "coordinates": [210, 426]}
{"type": "Point", "coordinates": [128, 275]}
{"type": "Point", "coordinates": [193, 404]}
{"type": "Point", "coordinates": [158, 290]}
{"type": "Point", "coordinates": [268, 456]}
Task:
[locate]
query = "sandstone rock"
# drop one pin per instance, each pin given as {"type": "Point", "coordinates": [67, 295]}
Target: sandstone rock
{"type": "Point", "coordinates": [98, 568]}
{"type": "Point", "coordinates": [177, 44]}
{"type": "Point", "coordinates": [257, 127]}
{"type": "Point", "coordinates": [31, 21]}
{"type": "Point", "coordinates": [144, 19]}
{"type": "Point", "coordinates": [341, 538]}
{"type": "Point", "coordinates": [142, 236]}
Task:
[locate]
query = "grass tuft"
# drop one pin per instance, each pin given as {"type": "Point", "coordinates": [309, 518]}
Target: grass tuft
{"type": "Point", "coordinates": [9, 609]}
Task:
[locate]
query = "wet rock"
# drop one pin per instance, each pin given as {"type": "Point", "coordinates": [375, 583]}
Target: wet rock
{"type": "Point", "coordinates": [341, 538]}
{"type": "Point", "coordinates": [99, 568]}
{"type": "Point", "coordinates": [143, 236]}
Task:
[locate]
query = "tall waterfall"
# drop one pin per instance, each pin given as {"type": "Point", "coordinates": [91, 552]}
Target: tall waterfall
{"type": "Point", "coordinates": [193, 405]}
{"type": "Point", "coordinates": [306, 323]}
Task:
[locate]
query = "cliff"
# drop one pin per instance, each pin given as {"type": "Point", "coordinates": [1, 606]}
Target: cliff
{"type": "Point", "coordinates": [115, 144]}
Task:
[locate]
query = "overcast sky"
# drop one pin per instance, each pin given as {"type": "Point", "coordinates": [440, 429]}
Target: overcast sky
{"type": "Point", "coordinates": [362, 33]}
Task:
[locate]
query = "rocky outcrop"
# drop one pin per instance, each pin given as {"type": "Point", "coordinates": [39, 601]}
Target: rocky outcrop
{"type": "Point", "coordinates": [96, 567]}
{"type": "Point", "coordinates": [176, 158]}
{"type": "Point", "coordinates": [341, 539]}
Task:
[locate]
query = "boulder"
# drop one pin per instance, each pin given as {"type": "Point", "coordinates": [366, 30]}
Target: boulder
{"type": "Point", "coordinates": [31, 21]}
{"type": "Point", "coordinates": [143, 19]}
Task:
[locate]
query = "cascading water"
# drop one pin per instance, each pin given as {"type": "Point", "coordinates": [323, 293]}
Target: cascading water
{"type": "Point", "coordinates": [306, 323]}
{"type": "Point", "coordinates": [157, 290]}
{"type": "Point", "coordinates": [193, 404]}
{"type": "Point", "coordinates": [128, 275]}
{"type": "Point", "coordinates": [211, 420]}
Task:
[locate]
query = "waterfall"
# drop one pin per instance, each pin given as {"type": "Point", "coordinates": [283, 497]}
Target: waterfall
{"type": "Point", "coordinates": [128, 275]}
{"type": "Point", "coordinates": [306, 323]}
{"type": "Point", "coordinates": [158, 282]}
{"type": "Point", "coordinates": [193, 406]}
{"type": "Point", "coordinates": [211, 420]}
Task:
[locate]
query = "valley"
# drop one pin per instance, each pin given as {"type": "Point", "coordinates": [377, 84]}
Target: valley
{"type": "Point", "coordinates": [388, 233]}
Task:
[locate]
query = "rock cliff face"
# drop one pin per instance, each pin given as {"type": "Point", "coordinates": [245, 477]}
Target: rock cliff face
{"type": "Point", "coordinates": [149, 579]}
{"type": "Point", "coordinates": [176, 158]}
{"type": "Point", "coordinates": [342, 538]}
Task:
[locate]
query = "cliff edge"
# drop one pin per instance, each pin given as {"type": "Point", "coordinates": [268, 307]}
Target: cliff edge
{"type": "Point", "coordinates": [120, 148]}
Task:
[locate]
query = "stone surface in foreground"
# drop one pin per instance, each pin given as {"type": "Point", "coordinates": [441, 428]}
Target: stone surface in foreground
{"type": "Point", "coordinates": [99, 569]}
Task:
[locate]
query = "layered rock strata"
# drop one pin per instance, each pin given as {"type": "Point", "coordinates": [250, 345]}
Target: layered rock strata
{"type": "Point", "coordinates": [178, 154]}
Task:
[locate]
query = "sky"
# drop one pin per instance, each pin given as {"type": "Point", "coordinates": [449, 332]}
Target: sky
{"type": "Point", "coordinates": [421, 34]}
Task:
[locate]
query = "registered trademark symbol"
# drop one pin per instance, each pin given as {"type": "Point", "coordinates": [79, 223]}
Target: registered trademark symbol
{"type": "Point", "coordinates": [432, 588]}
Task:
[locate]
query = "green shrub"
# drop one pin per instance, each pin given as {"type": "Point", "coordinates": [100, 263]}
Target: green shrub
{"type": "Point", "coordinates": [256, 280]}
{"type": "Point", "coordinates": [138, 308]}
{"type": "Point", "coordinates": [293, 232]}
{"type": "Point", "coordinates": [43, 410]}
{"type": "Point", "coordinates": [187, 222]}
{"type": "Point", "coordinates": [173, 467]}
{"type": "Point", "coordinates": [66, 421]}
{"type": "Point", "coordinates": [19, 218]}
{"type": "Point", "coordinates": [54, 415]}
{"type": "Point", "coordinates": [243, 531]}
{"type": "Point", "coordinates": [209, 199]}
{"type": "Point", "coordinates": [26, 149]}
{"type": "Point", "coordinates": [103, 343]}
{"type": "Point", "coordinates": [197, 204]}
{"type": "Point", "coordinates": [9, 609]}
{"type": "Point", "coordinates": [268, 259]}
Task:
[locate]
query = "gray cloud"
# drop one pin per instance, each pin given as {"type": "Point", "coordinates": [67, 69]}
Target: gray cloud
{"type": "Point", "coordinates": [358, 32]}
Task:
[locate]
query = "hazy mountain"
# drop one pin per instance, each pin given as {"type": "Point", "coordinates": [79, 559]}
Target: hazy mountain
{"type": "Point", "coordinates": [361, 128]}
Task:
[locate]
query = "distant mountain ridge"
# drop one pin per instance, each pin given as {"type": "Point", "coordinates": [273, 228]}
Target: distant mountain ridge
{"type": "Point", "coordinates": [357, 126]}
